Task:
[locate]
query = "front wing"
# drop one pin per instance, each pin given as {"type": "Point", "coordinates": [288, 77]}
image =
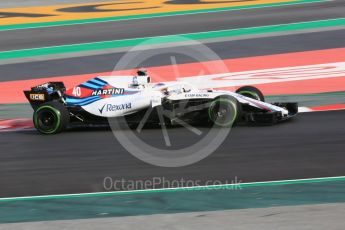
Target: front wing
{"type": "Point", "coordinates": [272, 117]}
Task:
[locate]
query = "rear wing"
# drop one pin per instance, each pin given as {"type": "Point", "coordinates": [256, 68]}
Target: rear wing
{"type": "Point", "coordinates": [46, 92]}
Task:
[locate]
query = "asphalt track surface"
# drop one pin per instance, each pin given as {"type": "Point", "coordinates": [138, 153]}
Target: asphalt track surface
{"type": "Point", "coordinates": [41, 37]}
{"type": "Point", "coordinates": [310, 146]}
{"type": "Point", "coordinates": [225, 50]}
{"type": "Point", "coordinates": [78, 161]}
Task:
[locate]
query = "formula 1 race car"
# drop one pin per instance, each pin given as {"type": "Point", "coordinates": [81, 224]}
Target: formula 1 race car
{"type": "Point", "coordinates": [131, 97]}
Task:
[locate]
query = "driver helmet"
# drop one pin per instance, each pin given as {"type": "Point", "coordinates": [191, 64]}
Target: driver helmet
{"type": "Point", "coordinates": [142, 72]}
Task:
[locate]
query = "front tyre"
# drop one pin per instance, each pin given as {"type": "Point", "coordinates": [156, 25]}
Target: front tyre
{"type": "Point", "coordinates": [251, 92]}
{"type": "Point", "coordinates": [51, 118]}
{"type": "Point", "coordinates": [224, 111]}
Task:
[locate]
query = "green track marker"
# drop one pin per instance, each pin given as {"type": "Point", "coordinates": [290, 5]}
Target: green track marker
{"type": "Point", "coordinates": [165, 201]}
{"type": "Point", "coordinates": [196, 188]}
{"type": "Point", "coordinates": [93, 46]}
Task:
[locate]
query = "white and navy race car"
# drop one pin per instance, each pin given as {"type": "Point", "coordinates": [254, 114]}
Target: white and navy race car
{"type": "Point", "coordinates": [132, 97]}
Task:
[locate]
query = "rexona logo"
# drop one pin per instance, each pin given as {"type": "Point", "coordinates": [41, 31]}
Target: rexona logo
{"type": "Point", "coordinates": [113, 108]}
{"type": "Point", "coordinates": [111, 91]}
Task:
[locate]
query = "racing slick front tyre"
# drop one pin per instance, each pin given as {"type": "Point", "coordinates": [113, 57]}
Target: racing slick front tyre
{"type": "Point", "coordinates": [51, 118]}
{"type": "Point", "coordinates": [251, 92]}
{"type": "Point", "coordinates": [224, 111]}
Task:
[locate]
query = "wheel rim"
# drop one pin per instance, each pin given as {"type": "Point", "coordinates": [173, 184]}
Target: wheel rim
{"type": "Point", "coordinates": [223, 112]}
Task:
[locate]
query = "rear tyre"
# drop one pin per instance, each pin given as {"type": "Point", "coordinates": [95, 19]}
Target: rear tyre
{"type": "Point", "coordinates": [51, 118]}
{"type": "Point", "coordinates": [251, 92]}
{"type": "Point", "coordinates": [224, 111]}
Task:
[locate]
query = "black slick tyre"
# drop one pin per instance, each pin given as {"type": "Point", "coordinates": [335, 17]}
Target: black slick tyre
{"type": "Point", "coordinates": [224, 111]}
{"type": "Point", "coordinates": [51, 118]}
